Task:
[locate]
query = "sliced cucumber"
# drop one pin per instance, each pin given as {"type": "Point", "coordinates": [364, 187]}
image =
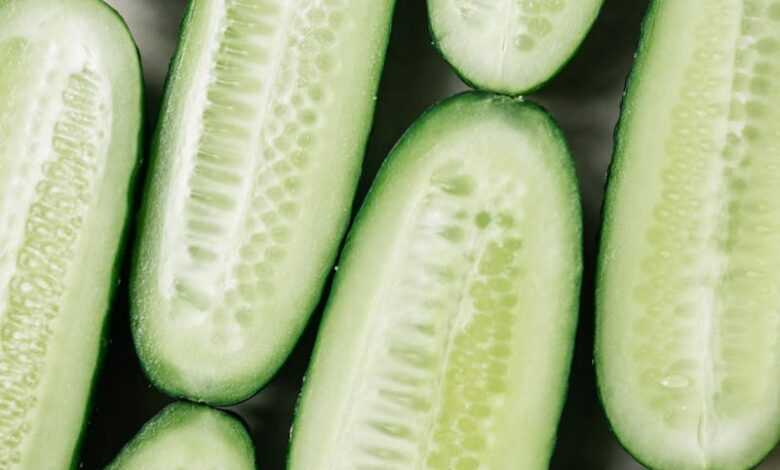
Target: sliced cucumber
{"type": "Point", "coordinates": [687, 336]}
{"type": "Point", "coordinates": [188, 436]}
{"type": "Point", "coordinates": [254, 169]}
{"type": "Point", "coordinates": [510, 46]}
{"type": "Point", "coordinates": [447, 340]}
{"type": "Point", "coordinates": [70, 121]}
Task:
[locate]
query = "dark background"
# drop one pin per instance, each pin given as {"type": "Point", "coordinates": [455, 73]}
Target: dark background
{"type": "Point", "coordinates": [585, 100]}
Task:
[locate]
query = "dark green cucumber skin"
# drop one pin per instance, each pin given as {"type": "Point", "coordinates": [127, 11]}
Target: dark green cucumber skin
{"type": "Point", "coordinates": [463, 76]}
{"type": "Point", "coordinates": [159, 379]}
{"type": "Point", "coordinates": [385, 172]}
{"type": "Point", "coordinates": [119, 257]}
{"type": "Point", "coordinates": [615, 172]}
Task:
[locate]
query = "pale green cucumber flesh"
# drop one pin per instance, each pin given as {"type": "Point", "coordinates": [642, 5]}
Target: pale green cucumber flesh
{"type": "Point", "coordinates": [510, 46]}
{"type": "Point", "coordinates": [191, 437]}
{"type": "Point", "coordinates": [254, 168]}
{"type": "Point", "coordinates": [70, 120]}
{"type": "Point", "coordinates": [688, 299]}
{"type": "Point", "coordinates": [447, 339]}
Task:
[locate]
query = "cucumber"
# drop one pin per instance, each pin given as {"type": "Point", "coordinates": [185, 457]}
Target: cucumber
{"type": "Point", "coordinates": [188, 436]}
{"type": "Point", "coordinates": [255, 164]}
{"type": "Point", "coordinates": [70, 123]}
{"type": "Point", "coordinates": [447, 340]}
{"type": "Point", "coordinates": [686, 347]}
{"type": "Point", "coordinates": [510, 46]}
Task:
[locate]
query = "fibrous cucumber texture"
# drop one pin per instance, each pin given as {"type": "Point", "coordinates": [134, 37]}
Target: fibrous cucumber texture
{"type": "Point", "coordinates": [687, 340]}
{"type": "Point", "coordinates": [70, 118]}
{"type": "Point", "coordinates": [257, 157]}
{"type": "Point", "coordinates": [446, 341]}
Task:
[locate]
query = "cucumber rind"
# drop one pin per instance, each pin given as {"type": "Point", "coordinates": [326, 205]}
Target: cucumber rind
{"type": "Point", "coordinates": [614, 175]}
{"type": "Point", "coordinates": [168, 377]}
{"type": "Point", "coordinates": [214, 423]}
{"type": "Point", "coordinates": [514, 90]}
{"type": "Point", "coordinates": [469, 102]}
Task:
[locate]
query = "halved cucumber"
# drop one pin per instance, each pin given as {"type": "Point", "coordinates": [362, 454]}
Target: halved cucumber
{"type": "Point", "coordinates": [688, 300]}
{"type": "Point", "coordinates": [447, 340]}
{"type": "Point", "coordinates": [258, 153]}
{"type": "Point", "coordinates": [70, 121]}
{"type": "Point", "coordinates": [188, 436]}
{"type": "Point", "coordinates": [510, 46]}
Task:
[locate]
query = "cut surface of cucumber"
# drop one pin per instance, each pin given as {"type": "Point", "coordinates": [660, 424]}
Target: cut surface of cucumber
{"type": "Point", "coordinates": [447, 339]}
{"type": "Point", "coordinates": [70, 121]}
{"type": "Point", "coordinates": [189, 436]}
{"type": "Point", "coordinates": [687, 335]}
{"type": "Point", "coordinates": [254, 168]}
{"type": "Point", "coordinates": [510, 46]}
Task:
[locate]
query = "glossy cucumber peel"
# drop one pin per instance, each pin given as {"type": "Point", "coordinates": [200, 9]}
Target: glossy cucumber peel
{"type": "Point", "coordinates": [447, 339]}
{"type": "Point", "coordinates": [510, 46]}
{"type": "Point", "coordinates": [70, 121]}
{"type": "Point", "coordinates": [188, 436]}
{"type": "Point", "coordinates": [255, 164]}
{"type": "Point", "coordinates": [687, 295]}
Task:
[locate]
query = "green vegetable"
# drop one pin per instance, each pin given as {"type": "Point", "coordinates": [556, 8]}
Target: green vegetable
{"type": "Point", "coordinates": [188, 436]}
{"type": "Point", "coordinates": [268, 107]}
{"type": "Point", "coordinates": [510, 46]}
{"type": "Point", "coordinates": [687, 333]}
{"type": "Point", "coordinates": [447, 340]}
{"type": "Point", "coordinates": [70, 122]}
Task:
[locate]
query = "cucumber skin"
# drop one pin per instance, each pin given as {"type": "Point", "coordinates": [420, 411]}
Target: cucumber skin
{"type": "Point", "coordinates": [160, 380]}
{"type": "Point", "coordinates": [386, 171]}
{"type": "Point", "coordinates": [463, 76]}
{"type": "Point", "coordinates": [122, 248]}
{"type": "Point", "coordinates": [176, 412]}
{"type": "Point", "coordinates": [614, 173]}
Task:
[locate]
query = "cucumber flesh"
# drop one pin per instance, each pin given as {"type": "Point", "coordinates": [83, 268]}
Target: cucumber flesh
{"type": "Point", "coordinates": [188, 436]}
{"type": "Point", "coordinates": [447, 340]}
{"type": "Point", "coordinates": [687, 350]}
{"type": "Point", "coordinates": [70, 119]}
{"type": "Point", "coordinates": [254, 169]}
{"type": "Point", "coordinates": [510, 46]}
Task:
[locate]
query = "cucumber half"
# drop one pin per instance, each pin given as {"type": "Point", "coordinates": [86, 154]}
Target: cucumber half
{"type": "Point", "coordinates": [267, 110]}
{"type": "Point", "coordinates": [70, 122]}
{"type": "Point", "coordinates": [510, 46]}
{"type": "Point", "coordinates": [687, 336]}
{"type": "Point", "coordinates": [188, 436]}
{"type": "Point", "coordinates": [447, 340]}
